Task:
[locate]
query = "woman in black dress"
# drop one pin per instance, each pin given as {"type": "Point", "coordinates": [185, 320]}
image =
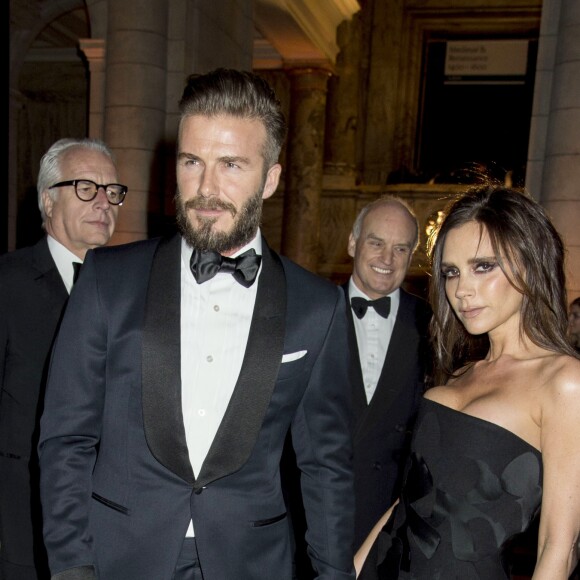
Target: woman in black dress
{"type": "Point", "coordinates": [498, 441]}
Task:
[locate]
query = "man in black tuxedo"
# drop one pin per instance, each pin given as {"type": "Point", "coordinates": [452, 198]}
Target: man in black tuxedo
{"type": "Point", "coordinates": [34, 286]}
{"type": "Point", "coordinates": [179, 368]}
{"type": "Point", "coordinates": [389, 335]}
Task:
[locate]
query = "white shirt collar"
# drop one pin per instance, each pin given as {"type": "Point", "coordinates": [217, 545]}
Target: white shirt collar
{"type": "Point", "coordinates": [373, 335]}
{"type": "Point", "coordinates": [395, 296]}
{"type": "Point", "coordinates": [63, 258]}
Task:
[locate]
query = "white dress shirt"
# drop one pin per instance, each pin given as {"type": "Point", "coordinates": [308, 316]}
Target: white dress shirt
{"type": "Point", "coordinates": [63, 258]}
{"type": "Point", "coordinates": [215, 324]}
{"type": "Point", "coordinates": [373, 335]}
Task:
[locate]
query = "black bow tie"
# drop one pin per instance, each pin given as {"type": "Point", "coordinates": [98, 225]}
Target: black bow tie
{"type": "Point", "coordinates": [381, 305]}
{"type": "Point", "coordinates": [76, 271]}
{"type": "Point", "coordinates": [244, 268]}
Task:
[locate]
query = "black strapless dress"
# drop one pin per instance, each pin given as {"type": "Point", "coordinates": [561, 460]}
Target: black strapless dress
{"type": "Point", "coordinates": [470, 487]}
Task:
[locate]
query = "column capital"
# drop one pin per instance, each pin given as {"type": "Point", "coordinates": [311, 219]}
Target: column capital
{"type": "Point", "coordinates": [93, 49]}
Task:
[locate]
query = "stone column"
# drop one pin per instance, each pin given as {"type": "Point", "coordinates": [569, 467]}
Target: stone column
{"type": "Point", "coordinates": [94, 51]}
{"type": "Point", "coordinates": [542, 96]}
{"type": "Point", "coordinates": [560, 178]}
{"type": "Point", "coordinates": [135, 105]}
{"type": "Point", "coordinates": [301, 227]}
{"type": "Point", "coordinates": [383, 90]}
{"type": "Point", "coordinates": [343, 106]}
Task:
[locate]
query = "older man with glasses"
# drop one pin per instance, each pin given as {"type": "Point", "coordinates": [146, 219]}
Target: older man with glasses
{"type": "Point", "coordinates": [79, 199]}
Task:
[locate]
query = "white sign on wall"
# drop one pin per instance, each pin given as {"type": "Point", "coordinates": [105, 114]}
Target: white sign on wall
{"type": "Point", "coordinates": [486, 61]}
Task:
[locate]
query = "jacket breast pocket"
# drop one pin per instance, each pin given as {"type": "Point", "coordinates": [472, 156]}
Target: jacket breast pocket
{"type": "Point", "coordinates": [293, 364]}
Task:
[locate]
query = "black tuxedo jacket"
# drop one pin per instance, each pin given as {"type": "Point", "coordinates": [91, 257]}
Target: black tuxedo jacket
{"type": "Point", "coordinates": [32, 297]}
{"type": "Point", "coordinates": [382, 429]}
{"type": "Point", "coordinates": [117, 486]}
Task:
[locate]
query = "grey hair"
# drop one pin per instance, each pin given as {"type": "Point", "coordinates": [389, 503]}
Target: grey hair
{"type": "Point", "coordinates": [50, 171]}
{"type": "Point", "coordinates": [386, 200]}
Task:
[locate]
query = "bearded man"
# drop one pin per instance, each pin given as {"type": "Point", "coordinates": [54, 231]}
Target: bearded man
{"type": "Point", "coordinates": [180, 367]}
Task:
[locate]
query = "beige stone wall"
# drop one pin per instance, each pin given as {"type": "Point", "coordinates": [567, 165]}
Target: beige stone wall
{"type": "Point", "coordinates": [554, 155]}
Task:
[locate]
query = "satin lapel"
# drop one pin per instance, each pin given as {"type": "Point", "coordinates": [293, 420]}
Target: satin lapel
{"type": "Point", "coordinates": [243, 418]}
{"type": "Point", "coordinates": [396, 366]}
{"type": "Point", "coordinates": [161, 363]}
{"type": "Point", "coordinates": [359, 399]}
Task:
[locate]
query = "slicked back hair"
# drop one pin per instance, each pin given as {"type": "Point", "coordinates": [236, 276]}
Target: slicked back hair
{"type": "Point", "coordinates": [238, 94]}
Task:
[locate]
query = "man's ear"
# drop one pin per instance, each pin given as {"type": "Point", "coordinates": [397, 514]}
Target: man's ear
{"type": "Point", "coordinates": [272, 180]}
{"type": "Point", "coordinates": [47, 203]}
{"type": "Point", "coordinates": [351, 246]}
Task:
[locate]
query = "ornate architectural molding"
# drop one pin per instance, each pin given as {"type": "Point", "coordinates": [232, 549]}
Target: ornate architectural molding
{"type": "Point", "coordinates": [303, 30]}
{"type": "Point", "coordinates": [93, 49]}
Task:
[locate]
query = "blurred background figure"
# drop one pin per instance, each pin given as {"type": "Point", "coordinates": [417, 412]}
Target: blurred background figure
{"type": "Point", "coordinates": [389, 339]}
{"type": "Point", "coordinates": [78, 212]}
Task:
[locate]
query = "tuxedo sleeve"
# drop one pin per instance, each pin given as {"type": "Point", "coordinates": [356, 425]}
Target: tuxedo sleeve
{"type": "Point", "coordinates": [70, 429]}
{"type": "Point", "coordinates": [322, 444]}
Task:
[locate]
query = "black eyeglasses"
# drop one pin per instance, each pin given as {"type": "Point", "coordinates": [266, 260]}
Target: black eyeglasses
{"type": "Point", "coordinates": [86, 190]}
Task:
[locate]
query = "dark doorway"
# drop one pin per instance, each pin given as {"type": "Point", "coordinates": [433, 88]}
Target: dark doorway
{"type": "Point", "coordinates": [476, 104]}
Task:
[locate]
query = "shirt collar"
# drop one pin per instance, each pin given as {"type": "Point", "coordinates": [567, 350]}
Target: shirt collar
{"type": "Point", "coordinates": [63, 258]}
{"type": "Point", "coordinates": [395, 296]}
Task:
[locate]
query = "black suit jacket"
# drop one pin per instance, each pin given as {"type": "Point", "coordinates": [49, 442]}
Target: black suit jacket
{"type": "Point", "coordinates": [382, 429]}
{"type": "Point", "coordinates": [32, 298]}
{"type": "Point", "coordinates": [117, 486]}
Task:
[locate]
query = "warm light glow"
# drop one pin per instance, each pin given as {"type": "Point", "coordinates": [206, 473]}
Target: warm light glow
{"type": "Point", "coordinates": [434, 222]}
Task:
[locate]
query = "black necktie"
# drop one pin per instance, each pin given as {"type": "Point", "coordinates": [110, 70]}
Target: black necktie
{"type": "Point", "coordinates": [244, 268]}
{"type": "Point", "coordinates": [76, 271]}
{"type": "Point", "coordinates": [381, 305]}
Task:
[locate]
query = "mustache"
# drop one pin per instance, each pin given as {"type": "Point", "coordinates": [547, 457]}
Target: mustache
{"type": "Point", "coordinates": [210, 203]}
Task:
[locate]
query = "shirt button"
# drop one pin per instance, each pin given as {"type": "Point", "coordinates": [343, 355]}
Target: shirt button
{"type": "Point", "coordinates": [201, 412]}
{"type": "Point", "coordinates": [209, 358]}
{"type": "Point", "coordinates": [216, 308]}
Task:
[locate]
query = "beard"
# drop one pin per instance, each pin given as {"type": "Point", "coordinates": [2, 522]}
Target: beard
{"type": "Point", "coordinates": [203, 237]}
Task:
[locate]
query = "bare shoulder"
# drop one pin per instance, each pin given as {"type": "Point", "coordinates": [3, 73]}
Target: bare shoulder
{"type": "Point", "coordinates": [562, 375]}
{"type": "Point", "coordinates": [561, 383]}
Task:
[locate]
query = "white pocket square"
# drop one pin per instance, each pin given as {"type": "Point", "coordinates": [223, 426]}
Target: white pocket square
{"type": "Point", "coordinates": [293, 356]}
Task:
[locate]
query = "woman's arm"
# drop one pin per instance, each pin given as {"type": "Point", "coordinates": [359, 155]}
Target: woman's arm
{"type": "Point", "coordinates": [560, 440]}
{"type": "Point", "coordinates": [363, 551]}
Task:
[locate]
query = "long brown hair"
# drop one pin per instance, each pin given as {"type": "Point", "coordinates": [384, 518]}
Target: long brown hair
{"type": "Point", "coordinates": [531, 254]}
